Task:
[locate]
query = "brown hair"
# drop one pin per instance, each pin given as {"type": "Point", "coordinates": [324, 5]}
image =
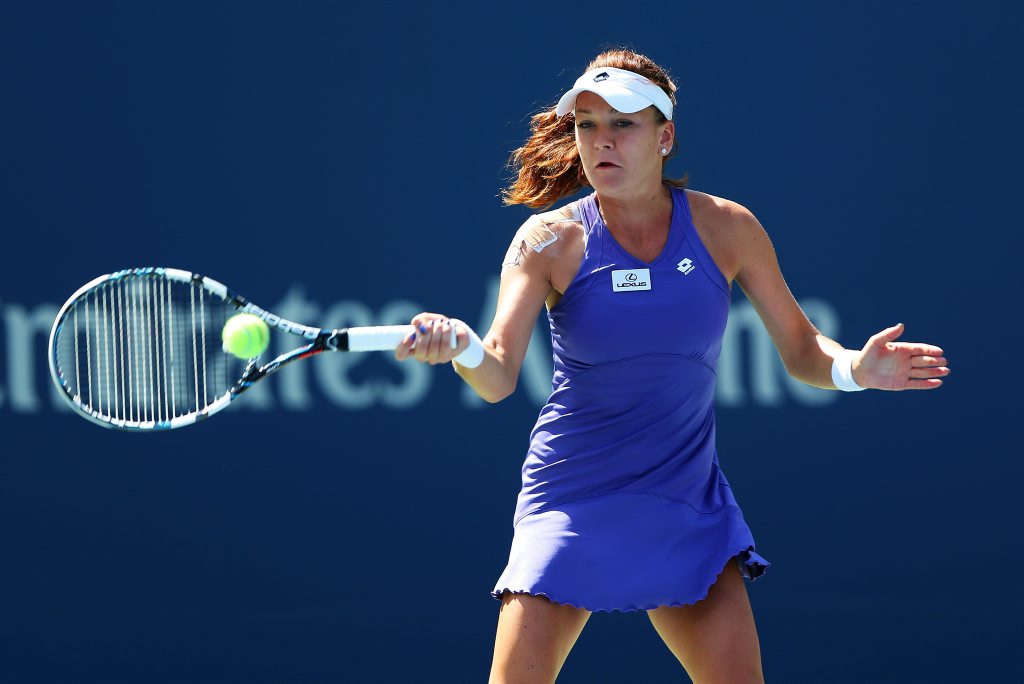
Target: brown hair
{"type": "Point", "coordinates": [547, 167]}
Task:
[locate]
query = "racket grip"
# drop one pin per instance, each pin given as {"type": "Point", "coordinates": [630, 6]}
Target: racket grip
{"type": "Point", "coordinates": [377, 338]}
{"type": "Point", "coordinates": [387, 337]}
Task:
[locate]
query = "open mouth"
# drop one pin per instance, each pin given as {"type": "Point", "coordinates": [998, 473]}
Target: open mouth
{"type": "Point", "coordinates": [607, 165]}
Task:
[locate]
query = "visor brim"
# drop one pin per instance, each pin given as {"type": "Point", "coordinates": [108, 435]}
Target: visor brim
{"type": "Point", "coordinates": [621, 99]}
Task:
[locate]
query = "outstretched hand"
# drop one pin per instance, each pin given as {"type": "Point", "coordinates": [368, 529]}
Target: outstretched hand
{"type": "Point", "coordinates": [887, 365]}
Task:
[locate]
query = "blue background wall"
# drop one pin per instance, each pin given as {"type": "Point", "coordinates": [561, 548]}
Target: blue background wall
{"type": "Point", "coordinates": [342, 164]}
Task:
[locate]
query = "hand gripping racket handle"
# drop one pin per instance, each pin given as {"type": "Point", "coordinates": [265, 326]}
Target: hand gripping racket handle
{"type": "Point", "coordinates": [387, 337]}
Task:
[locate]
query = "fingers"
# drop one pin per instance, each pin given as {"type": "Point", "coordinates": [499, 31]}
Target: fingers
{"type": "Point", "coordinates": [929, 372]}
{"type": "Point", "coordinates": [405, 347]}
{"type": "Point", "coordinates": [925, 365]}
{"type": "Point", "coordinates": [434, 340]}
{"type": "Point", "coordinates": [430, 347]}
{"type": "Point", "coordinates": [926, 372]}
{"type": "Point", "coordinates": [923, 384]}
{"type": "Point", "coordinates": [918, 348]}
{"type": "Point", "coordinates": [883, 336]}
{"type": "Point", "coordinates": [884, 340]}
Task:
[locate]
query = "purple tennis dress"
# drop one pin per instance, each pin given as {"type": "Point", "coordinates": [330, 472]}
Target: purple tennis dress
{"type": "Point", "coordinates": [623, 505]}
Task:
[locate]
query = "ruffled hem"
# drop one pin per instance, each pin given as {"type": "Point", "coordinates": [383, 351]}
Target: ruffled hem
{"type": "Point", "coordinates": [751, 564]}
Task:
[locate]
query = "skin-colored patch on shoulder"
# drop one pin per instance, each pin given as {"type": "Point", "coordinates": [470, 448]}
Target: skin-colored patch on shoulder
{"type": "Point", "coordinates": [570, 212]}
{"type": "Point", "coordinates": [540, 237]}
{"type": "Point", "coordinates": [534, 235]}
{"type": "Point", "coordinates": [538, 233]}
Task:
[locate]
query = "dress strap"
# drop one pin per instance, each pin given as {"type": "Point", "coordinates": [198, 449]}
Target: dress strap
{"type": "Point", "coordinates": [589, 215]}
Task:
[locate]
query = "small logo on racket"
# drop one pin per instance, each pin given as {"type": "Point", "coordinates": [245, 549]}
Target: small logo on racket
{"type": "Point", "coordinates": [277, 322]}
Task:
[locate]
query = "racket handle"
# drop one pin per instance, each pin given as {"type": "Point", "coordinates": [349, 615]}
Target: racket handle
{"type": "Point", "coordinates": [377, 338]}
{"type": "Point", "coordinates": [387, 337]}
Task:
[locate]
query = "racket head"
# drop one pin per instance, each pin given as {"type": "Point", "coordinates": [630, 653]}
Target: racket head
{"type": "Point", "coordinates": [140, 350]}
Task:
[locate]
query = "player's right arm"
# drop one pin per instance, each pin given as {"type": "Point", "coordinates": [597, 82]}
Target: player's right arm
{"type": "Point", "coordinates": [525, 285]}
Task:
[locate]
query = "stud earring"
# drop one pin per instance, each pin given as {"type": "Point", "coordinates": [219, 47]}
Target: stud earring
{"type": "Point", "coordinates": [664, 150]}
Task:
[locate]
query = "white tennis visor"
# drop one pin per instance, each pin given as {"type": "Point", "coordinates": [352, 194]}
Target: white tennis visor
{"type": "Point", "coordinates": [626, 91]}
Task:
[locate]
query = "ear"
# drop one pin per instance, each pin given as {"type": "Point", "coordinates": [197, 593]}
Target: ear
{"type": "Point", "coordinates": [668, 134]}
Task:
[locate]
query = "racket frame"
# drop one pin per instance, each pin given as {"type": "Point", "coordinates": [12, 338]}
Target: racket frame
{"type": "Point", "coordinates": [319, 340]}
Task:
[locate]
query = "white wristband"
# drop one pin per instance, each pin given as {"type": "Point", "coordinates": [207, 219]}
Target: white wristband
{"type": "Point", "coordinates": [842, 371]}
{"type": "Point", "coordinates": [473, 356]}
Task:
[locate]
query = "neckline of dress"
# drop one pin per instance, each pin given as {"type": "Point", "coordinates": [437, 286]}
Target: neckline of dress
{"type": "Point", "coordinates": [625, 252]}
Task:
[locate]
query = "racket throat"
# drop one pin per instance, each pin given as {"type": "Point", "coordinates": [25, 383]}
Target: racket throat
{"type": "Point", "coordinates": [334, 340]}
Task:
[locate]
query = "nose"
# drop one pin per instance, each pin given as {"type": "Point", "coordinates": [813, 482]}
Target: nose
{"type": "Point", "coordinates": [603, 140]}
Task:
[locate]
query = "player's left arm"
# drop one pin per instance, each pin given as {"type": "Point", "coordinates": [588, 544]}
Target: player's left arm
{"type": "Point", "coordinates": [807, 354]}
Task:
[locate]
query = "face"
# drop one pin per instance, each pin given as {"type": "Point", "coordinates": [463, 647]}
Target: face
{"type": "Point", "coordinates": [621, 153]}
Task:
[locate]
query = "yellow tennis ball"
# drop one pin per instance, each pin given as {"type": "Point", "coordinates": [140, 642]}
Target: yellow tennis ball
{"type": "Point", "coordinates": [245, 335]}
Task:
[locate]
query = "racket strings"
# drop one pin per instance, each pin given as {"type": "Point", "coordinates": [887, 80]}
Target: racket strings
{"type": "Point", "coordinates": [195, 355]}
{"type": "Point", "coordinates": [108, 374]}
{"type": "Point", "coordinates": [133, 387]}
{"type": "Point", "coordinates": [168, 309]}
{"type": "Point", "coordinates": [161, 390]}
{"type": "Point", "coordinates": [78, 372]}
{"type": "Point", "coordinates": [150, 413]}
{"type": "Point", "coordinates": [88, 349]}
{"type": "Point", "coordinates": [144, 350]}
{"type": "Point", "coordinates": [117, 294]}
{"type": "Point", "coordinates": [140, 302]}
{"type": "Point", "coordinates": [202, 320]}
{"type": "Point", "coordinates": [124, 344]}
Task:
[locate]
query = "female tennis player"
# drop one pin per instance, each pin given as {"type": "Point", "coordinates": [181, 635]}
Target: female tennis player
{"type": "Point", "coordinates": [623, 504]}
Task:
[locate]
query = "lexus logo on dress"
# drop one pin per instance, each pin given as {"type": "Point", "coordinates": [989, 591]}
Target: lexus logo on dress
{"type": "Point", "coordinates": [631, 280]}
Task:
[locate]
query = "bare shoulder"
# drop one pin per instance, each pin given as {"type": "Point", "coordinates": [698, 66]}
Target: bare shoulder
{"type": "Point", "coordinates": [548, 237]}
{"type": "Point", "coordinates": [729, 231]}
{"type": "Point", "coordinates": [720, 214]}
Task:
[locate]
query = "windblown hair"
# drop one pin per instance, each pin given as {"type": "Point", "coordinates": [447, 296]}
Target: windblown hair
{"type": "Point", "coordinates": [547, 167]}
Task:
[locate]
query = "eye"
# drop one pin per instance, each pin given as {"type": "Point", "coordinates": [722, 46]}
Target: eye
{"type": "Point", "coordinates": [623, 123]}
{"type": "Point", "coordinates": [583, 124]}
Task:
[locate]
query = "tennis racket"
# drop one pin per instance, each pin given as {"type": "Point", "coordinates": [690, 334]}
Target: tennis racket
{"type": "Point", "coordinates": [140, 349]}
